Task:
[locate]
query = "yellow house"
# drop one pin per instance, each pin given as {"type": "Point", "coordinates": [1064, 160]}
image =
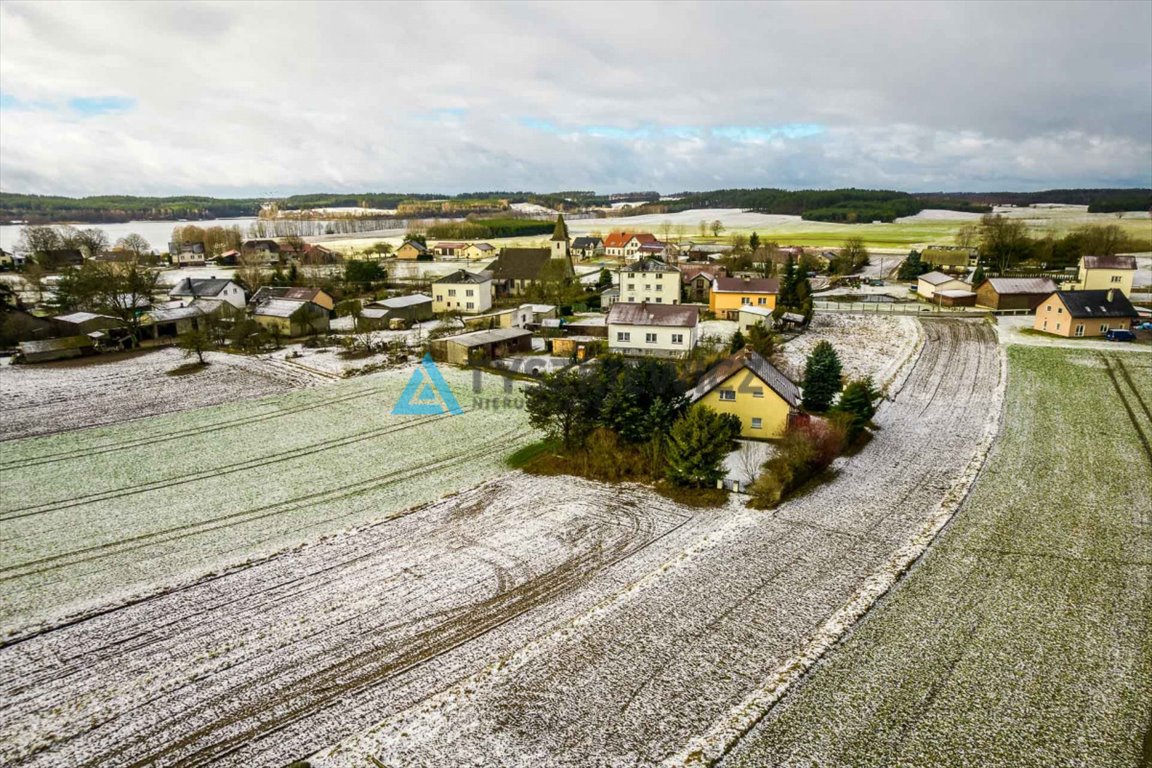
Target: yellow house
{"type": "Point", "coordinates": [751, 388]}
{"type": "Point", "coordinates": [1077, 314]}
{"type": "Point", "coordinates": [730, 294]}
{"type": "Point", "coordinates": [413, 250]}
{"type": "Point", "coordinates": [1103, 273]}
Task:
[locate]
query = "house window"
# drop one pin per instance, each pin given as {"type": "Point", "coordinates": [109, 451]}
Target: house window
{"type": "Point", "coordinates": [1115, 278]}
{"type": "Point", "coordinates": [1080, 329]}
{"type": "Point", "coordinates": [727, 394]}
{"type": "Point", "coordinates": [761, 301]}
{"type": "Point", "coordinates": [451, 291]}
{"type": "Point", "coordinates": [758, 392]}
{"type": "Point", "coordinates": [677, 338]}
{"type": "Point", "coordinates": [744, 301]}
{"type": "Point", "coordinates": [650, 338]}
{"type": "Point", "coordinates": [622, 336]}
{"type": "Point", "coordinates": [1059, 310]}
{"type": "Point", "coordinates": [1057, 326]}
{"type": "Point", "coordinates": [1048, 308]}
{"type": "Point", "coordinates": [631, 274]}
{"type": "Point", "coordinates": [1045, 326]}
{"type": "Point", "coordinates": [471, 305]}
{"type": "Point", "coordinates": [659, 287]}
{"type": "Point", "coordinates": [631, 286]}
{"type": "Point", "coordinates": [757, 423]}
{"type": "Point", "coordinates": [439, 297]}
{"type": "Point", "coordinates": [1104, 328]}
{"type": "Point", "coordinates": [659, 300]}
{"type": "Point", "coordinates": [469, 292]}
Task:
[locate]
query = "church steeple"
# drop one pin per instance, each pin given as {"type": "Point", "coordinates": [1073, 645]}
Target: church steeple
{"type": "Point", "coordinates": [561, 230]}
{"type": "Point", "coordinates": [560, 240]}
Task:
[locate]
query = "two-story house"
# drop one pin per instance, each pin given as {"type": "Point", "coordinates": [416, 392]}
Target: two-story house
{"type": "Point", "coordinates": [752, 389]}
{"type": "Point", "coordinates": [1077, 314]}
{"type": "Point", "coordinates": [208, 291]}
{"type": "Point", "coordinates": [648, 280]}
{"type": "Point", "coordinates": [625, 245]}
{"type": "Point", "coordinates": [1101, 273]}
{"type": "Point", "coordinates": [466, 292]}
{"type": "Point", "coordinates": [729, 294]}
{"type": "Point", "coordinates": [588, 248]}
{"type": "Point", "coordinates": [657, 330]}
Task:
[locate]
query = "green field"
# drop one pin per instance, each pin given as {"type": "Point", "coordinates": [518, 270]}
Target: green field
{"type": "Point", "coordinates": [1024, 637]}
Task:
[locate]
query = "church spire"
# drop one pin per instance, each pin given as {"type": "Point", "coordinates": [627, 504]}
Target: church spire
{"type": "Point", "coordinates": [561, 230]}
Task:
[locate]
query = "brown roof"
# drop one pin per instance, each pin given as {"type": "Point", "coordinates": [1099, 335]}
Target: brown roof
{"type": "Point", "coordinates": [1109, 262]}
{"type": "Point", "coordinates": [520, 263]}
{"type": "Point", "coordinates": [620, 239]}
{"type": "Point", "coordinates": [754, 362]}
{"type": "Point", "coordinates": [671, 315]}
{"type": "Point", "coordinates": [1005, 286]}
{"type": "Point", "coordinates": [746, 285]}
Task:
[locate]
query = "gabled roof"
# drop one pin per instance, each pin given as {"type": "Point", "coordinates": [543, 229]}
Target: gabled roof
{"type": "Point", "coordinates": [936, 278]}
{"type": "Point", "coordinates": [1017, 285]}
{"type": "Point", "coordinates": [483, 246]}
{"type": "Point", "coordinates": [620, 239]}
{"type": "Point", "coordinates": [746, 285]}
{"type": "Point", "coordinates": [83, 317]}
{"type": "Point", "coordinates": [587, 242]}
{"type": "Point", "coordinates": [462, 276]}
{"type": "Point", "coordinates": [760, 368]}
{"type": "Point", "coordinates": [1108, 262]}
{"type": "Point", "coordinates": [398, 302]}
{"type": "Point", "coordinates": [195, 286]}
{"type": "Point", "coordinates": [520, 263]}
{"type": "Point", "coordinates": [452, 246]}
{"type": "Point", "coordinates": [493, 336]}
{"type": "Point", "coordinates": [1109, 303]}
{"type": "Point", "coordinates": [415, 244]}
{"type": "Point", "coordinates": [648, 265]}
{"type": "Point", "coordinates": [176, 313]}
{"type": "Point", "coordinates": [669, 315]}
{"type": "Point", "coordinates": [287, 292]}
{"type": "Point", "coordinates": [278, 307]}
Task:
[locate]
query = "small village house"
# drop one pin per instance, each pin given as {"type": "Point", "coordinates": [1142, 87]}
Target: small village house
{"type": "Point", "coordinates": [1080, 314]}
{"type": "Point", "coordinates": [1100, 273]}
{"type": "Point", "coordinates": [265, 249]}
{"type": "Point", "coordinates": [752, 389]}
{"type": "Point", "coordinates": [477, 251]}
{"type": "Point", "coordinates": [209, 291]}
{"type": "Point", "coordinates": [187, 254]}
{"type": "Point", "coordinates": [318, 256]}
{"type": "Point", "coordinates": [928, 284]}
{"type": "Point", "coordinates": [480, 346]}
{"type": "Point", "coordinates": [412, 249]}
{"type": "Point", "coordinates": [469, 293]}
{"type": "Point", "coordinates": [696, 281]}
{"type": "Point", "coordinates": [588, 248]}
{"type": "Point", "coordinates": [291, 318]}
{"type": "Point", "coordinates": [449, 250]}
{"type": "Point", "coordinates": [379, 315]}
{"type": "Point", "coordinates": [1020, 293]}
{"type": "Point", "coordinates": [625, 245]}
{"type": "Point", "coordinates": [649, 280]}
{"type": "Point", "coordinates": [656, 330]}
{"type": "Point", "coordinates": [729, 294]}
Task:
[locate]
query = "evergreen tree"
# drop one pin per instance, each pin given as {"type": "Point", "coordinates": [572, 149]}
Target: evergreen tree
{"type": "Point", "coordinates": [978, 275]}
{"type": "Point", "coordinates": [858, 402]}
{"type": "Point", "coordinates": [762, 341]}
{"type": "Point", "coordinates": [697, 445]}
{"type": "Point", "coordinates": [605, 280]}
{"type": "Point", "coordinates": [787, 297]}
{"type": "Point", "coordinates": [821, 378]}
{"type": "Point", "coordinates": [754, 243]}
{"type": "Point", "coordinates": [737, 341]}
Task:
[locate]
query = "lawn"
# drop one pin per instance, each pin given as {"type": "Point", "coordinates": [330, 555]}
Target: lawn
{"type": "Point", "coordinates": [1024, 637]}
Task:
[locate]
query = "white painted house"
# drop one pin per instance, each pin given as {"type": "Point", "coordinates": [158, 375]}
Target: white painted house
{"type": "Point", "coordinates": [658, 330]}
{"type": "Point", "coordinates": [208, 291]}
{"type": "Point", "coordinates": [928, 285]}
{"type": "Point", "coordinates": [649, 280]}
{"type": "Point", "coordinates": [466, 292]}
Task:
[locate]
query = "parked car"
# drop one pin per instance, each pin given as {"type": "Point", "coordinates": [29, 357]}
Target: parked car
{"type": "Point", "coordinates": [1145, 326]}
{"type": "Point", "coordinates": [1119, 334]}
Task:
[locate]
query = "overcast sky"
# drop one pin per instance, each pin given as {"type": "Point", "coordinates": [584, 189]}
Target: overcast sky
{"type": "Point", "coordinates": [268, 99]}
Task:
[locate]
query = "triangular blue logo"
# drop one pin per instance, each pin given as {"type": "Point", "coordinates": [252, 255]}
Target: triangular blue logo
{"type": "Point", "coordinates": [427, 393]}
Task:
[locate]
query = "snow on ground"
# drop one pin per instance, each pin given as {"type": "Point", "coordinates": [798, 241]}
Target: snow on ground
{"type": "Point", "coordinates": [43, 398]}
{"type": "Point", "coordinates": [532, 208]}
{"type": "Point", "coordinates": [868, 345]}
{"type": "Point", "coordinates": [94, 515]}
{"type": "Point", "coordinates": [528, 621]}
{"type": "Point", "coordinates": [1143, 278]}
{"type": "Point", "coordinates": [743, 464]}
{"type": "Point", "coordinates": [1011, 330]}
{"type": "Point", "coordinates": [935, 214]}
{"type": "Point", "coordinates": [719, 329]}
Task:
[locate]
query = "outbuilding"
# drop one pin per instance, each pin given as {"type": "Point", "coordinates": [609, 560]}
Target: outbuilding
{"type": "Point", "coordinates": [482, 345]}
{"type": "Point", "coordinates": [415, 308]}
{"type": "Point", "coordinates": [54, 349]}
{"type": "Point", "coordinates": [931, 283]}
{"type": "Point", "coordinates": [1005, 293]}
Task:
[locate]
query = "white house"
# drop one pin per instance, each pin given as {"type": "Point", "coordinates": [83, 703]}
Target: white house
{"type": "Point", "coordinates": [660, 330]}
{"type": "Point", "coordinates": [466, 292]}
{"type": "Point", "coordinates": [753, 315]}
{"type": "Point", "coordinates": [928, 285]}
{"type": "Point", "coordinates": [649, 280]}
{"type": "Point", "coordinates": [208, 291]}
{"type": "Point", "coordinates": [625, 245]}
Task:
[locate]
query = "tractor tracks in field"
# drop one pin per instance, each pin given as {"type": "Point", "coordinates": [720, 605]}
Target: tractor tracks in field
{"type": "Point", "coordinates": [1131, 399]}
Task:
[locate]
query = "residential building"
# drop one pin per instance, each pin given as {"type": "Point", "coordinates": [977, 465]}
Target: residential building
{"type": "Point", "coordinates": [749, 387]}
{"type": "Point", "coordinates": [318, 255]}
{"type": "Point", "coordinates": [660, 330]}
{"type": "Point", "coordinates": [479, 251]}
{"type": "Point", "coordinates": [929, 283]}
{"type": "Point", "coordinates": [1014, 292]}
{"type": "Point", "coordinates": [186, 254]}
{"type": "Point", "coordinates": [414, 308]}
{"type": "Point", "coordinates": [588, 248]}
{"type": "Point", "coordinates": [954, 258]}
{"type": "Point", "coordinates": [729, 295]}
{"type": "Point", "coordinates": [625, 245]}
{"type": "Point", "coordinates": [1097, 273]}
{"type": "Point", "coordinates": [449, 250]}
{"type": "Point", "coordinates": [466, 292]}
{"type": "Point", "coordinates": [413, 249]}
{"type": "Point", "coordinates": [206, 290]}
{"type": "Point", "coordinates": [266, 249]}
{"type": "Point", "coordinates": [649, 280]}
{"type": "Point", "coordinates": [1078, 314]}
{"type": "Point", "coordinates": [696, 281]}
{"type": "Point", "coordinates": [315, 295]}
{"type": "Point", "coordinates": [291, 317]}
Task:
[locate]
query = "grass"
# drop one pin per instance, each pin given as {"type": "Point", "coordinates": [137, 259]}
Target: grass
{"type": "Point", "coordinates": [188, 368]}
{"type": "Point", "coordinates": [1024, 637]}
{"type": "Point", "coordinates": [530, 454]}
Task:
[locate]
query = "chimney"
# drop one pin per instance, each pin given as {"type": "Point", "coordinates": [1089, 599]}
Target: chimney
{"type": "Point", "coordinates": [1111, 295]}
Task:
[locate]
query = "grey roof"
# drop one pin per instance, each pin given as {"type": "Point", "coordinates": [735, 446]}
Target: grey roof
{"type": "Point", "coordinates": [194, 286]}
{"type": "Point", "coordinates": [415, 244]}
{"type": "Point", "coordinates": [278, 307]}
{"type": "Point", "coordinates": [399, 302]}
{"type": "Point", "coordinates": [955, 294]}
{"type": "Point", "coordinates": [1109, 262]}
{"type": "Point", "coordinates": [520, 263]}
{"type": "Point", "coordinates": [82, 317]}
{"type": "Point", "coordinates": [746, 285]}
{"type": "Point", "coordinates": [1108, 303]}
{"type": "Point", "coordinates": [463, 276]}
{"type": "Point", "coordinates": [936, 278]}
{"type": "Point", "coordinates": [754, 310]}
{"type": "Point", "coordinates": [648, 265]}
{"type": "Point", "coordinates": [177, 313]}
{"type": "Point", "coordinates": [587, 242]}
{"type": "Point", "coordinates": [669, 315]}
{"type": "Point", "coordinates": [484, 246]}
{"type": "Point", "coordinates": [761, 368]}
{"type": "Point", "coordinates": [1011, 285]}
{"type": "Point", "coordinates": [480, 338]}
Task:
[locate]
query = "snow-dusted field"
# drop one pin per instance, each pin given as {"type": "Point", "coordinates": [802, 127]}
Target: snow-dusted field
{"type": "Point", "coordinates": [529, 621]}
{"type": "Point", "coordinates": [53, 397]}
{"type": "Point", "coordinates": [93, 516]}
{"type": "Point", "coordinates": [868, 345]}
{"type": "Point", "coordinates": [1024, 637]}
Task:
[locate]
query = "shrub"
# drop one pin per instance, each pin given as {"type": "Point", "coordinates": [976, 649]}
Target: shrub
{"type": "Point", "coordinates": [858, 406]}
{"type": "Point", "coordinates": [803, 454]}
{"type": "Point", "coordinates": [697, 445]}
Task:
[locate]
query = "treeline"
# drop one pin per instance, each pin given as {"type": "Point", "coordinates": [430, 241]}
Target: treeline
{"type": "Point", "coordinates": [42, 209]}
{"type": "Point", "coordinates": [1097, 200]}
{"type": "Point", "coordinates": [838, 205]}
{"type": "Point", "coordinates": [481, 229]}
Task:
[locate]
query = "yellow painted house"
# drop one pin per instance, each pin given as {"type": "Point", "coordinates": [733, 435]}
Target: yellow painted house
{"type": "Point", "coordinates": [1103, 273]}
{"type": "Point", "coordinates": [750, 387]}
{"type": "Point", "coordinates": [730, 294]}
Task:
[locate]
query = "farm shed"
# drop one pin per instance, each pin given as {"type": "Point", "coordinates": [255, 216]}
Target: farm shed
{"type": "Point", "coordinates": [956, 298]}
{"type": "Point", "coordinates": [753, 315]}
{"type": "Point", "coordinates": [291, 318]}
{"type": "Point", "coordinates": [414, 308]}
{"type": "Point", "coordinates": [928, 285]}
{"type": "Point", "coordinates": [588, 325]}
{"type": "Point", "coordinates": [54, 349]}
{"type": "Point", "coordinates": [1014, 292]}
{"type": "Point", "coordinates": [482, 345]}
{"type": "Point", "coordinates": [171, 322]}
{"type": "Point", "coordinates": [580, 347]}
{"type": "Point", "coordinates": [315, 295]}
{"type": "Point", "coordinates": [80, 323]}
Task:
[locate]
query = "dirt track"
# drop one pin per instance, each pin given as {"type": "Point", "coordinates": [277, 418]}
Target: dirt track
{"type": "Point", "coordinates": [531, 621]}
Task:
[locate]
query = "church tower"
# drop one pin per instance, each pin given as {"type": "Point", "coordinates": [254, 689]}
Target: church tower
{"type": "Point", "coordinates": [560, 240]}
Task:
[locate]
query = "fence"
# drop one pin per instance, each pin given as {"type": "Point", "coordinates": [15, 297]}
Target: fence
{"type": "Point", "coordinates": [907, 308]}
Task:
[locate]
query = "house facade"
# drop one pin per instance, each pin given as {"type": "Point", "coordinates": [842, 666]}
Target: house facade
{"type": "Point", "coordinates": [752, 389]}
{"type": "Point", "coordinates": [195, 289]}
{"type": "Point", "coordinates": [466, 292]}
{"type": "Point", "coordinates": [652, 330]}
{"type": "Point", "coordinates": [1081, 314]}
{"type": "Point", "coordinates": [929, 283]}
{"type": "Point", "coordinates": [625, 245]}
{"type": "Point", "coordinates": [449, 250]}
{"type": "Point", "coordinates": [729, 295]}
{"type": "Point", "coordinates": [479, 251]}
{"type": "Point", "coordinates": [1014, 292]}
{"type": "Point", "coordinates": [648, 280]}
{"type": "Point", "coordinates": [1102, 273]}
{"type": "Point", "coordinates": [412, 250]}
{"type": "Point", "coordinates": [588, 248]}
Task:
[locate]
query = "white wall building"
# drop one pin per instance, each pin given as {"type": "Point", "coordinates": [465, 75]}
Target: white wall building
{"type": "Point", "coordinates": [466, 292]}
{"type": "Point", "coordinates": [658, 330]}
{"type": "Point", "coordinates": [649, 280]}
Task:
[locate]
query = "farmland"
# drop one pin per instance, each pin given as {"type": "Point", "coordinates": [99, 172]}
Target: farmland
{"type": "Point", "coordinates": [1024, 638]}
{"type": "Point", "coordinates": [524, 621]}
